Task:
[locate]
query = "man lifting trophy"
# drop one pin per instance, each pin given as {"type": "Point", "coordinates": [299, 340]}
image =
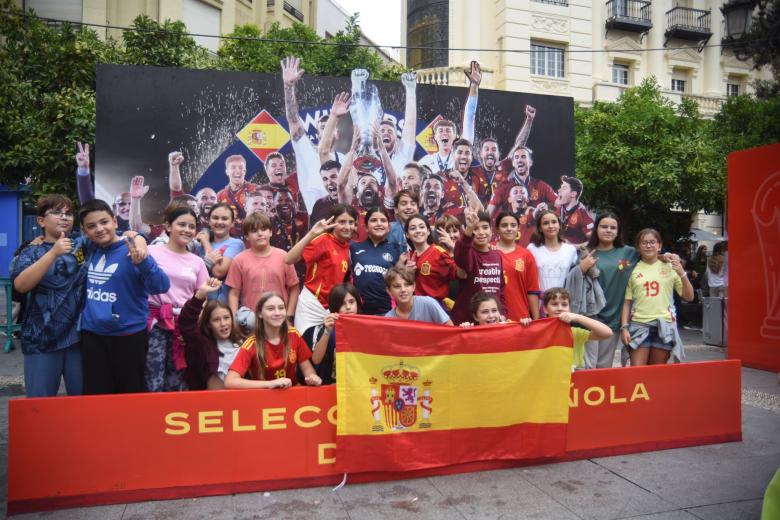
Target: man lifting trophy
{"type": "Point", "coordinates": [366, 111]}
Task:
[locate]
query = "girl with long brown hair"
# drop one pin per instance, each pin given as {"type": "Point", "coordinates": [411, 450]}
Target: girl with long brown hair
{"type": "Point", "coordinates": [268, 358]}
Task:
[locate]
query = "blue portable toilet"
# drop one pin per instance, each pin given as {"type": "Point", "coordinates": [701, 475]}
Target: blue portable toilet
{"type": "Point", "coordinates": [10, 225]}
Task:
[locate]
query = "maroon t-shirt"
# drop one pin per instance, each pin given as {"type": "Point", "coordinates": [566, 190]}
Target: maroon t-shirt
{"type": "Point", "coordinates": [484, 272]}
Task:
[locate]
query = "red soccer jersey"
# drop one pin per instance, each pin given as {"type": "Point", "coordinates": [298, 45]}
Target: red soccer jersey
{"type": "Point", "coordinates": [453, 195]}
{"type": "Point", "coordinates": [284, 235]}
{"type": "Point", "coordinates": [276, 366]}
{"type": "Point", "coordinates": [291, 183]}
{"type": "Point", "coordinates": [435, 270]}
{"type": "Point", "coordinates": [538, 192]}
{"type": "Point", "coordinates": [236, 199]}
{"type": "Point", "coordinates": [327, 265]}
{"type": "Point", "coordinates": [485, 182]}
{"type": "Point", "coordinates": [521, 278]}
{"type": "Point", "coordinates": [577, 224]}
{"type": "Point", "coordinates": [526, 225]}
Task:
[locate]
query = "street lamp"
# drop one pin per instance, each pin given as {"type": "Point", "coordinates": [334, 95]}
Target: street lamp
{"type": "Point", "coordinates": [738, 16]}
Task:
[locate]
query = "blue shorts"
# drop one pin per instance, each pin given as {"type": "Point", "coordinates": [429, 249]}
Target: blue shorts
{"type": "Point", "coordinates": [653, 340]}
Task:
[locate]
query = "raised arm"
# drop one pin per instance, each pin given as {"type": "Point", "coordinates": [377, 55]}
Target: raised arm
{"type": "Point", "coordinates": [347, 178]}
{"type": "Point", "coordinates": [28, 279]}
{"type": "Point", "coordinates": [137, 192]}
{"type": "Point", "coordinates": [474, 76]}
{"type": "Point", "coordinates": [296, 252]}
{"type": "Point", "coordinates": [687, 292]}
{"type": "Point", "coordinates": [598, 330]}
{"type": "Point", "coordinates": [525, 130]}
{"type": "Point", "coordinates": [174, 173]}
{"type": "Point", "coordinates": [291, 73]}
{"type": "Point", "coordinates": [83, 177]}
{"type": "Point", "coordinates": [387, 164]}
{"type": "Point", "coordinates": [339, 108]}
{"type": "Point", "coordinates": [409, 134]}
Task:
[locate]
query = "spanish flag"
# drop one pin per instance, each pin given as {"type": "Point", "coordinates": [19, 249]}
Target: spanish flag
{"type": "Point", "coordinates": [425, 137]}
{"type": "Point", "coordinates": [263, 135]}
{"type": "Point", "coordinates": [413, 395]}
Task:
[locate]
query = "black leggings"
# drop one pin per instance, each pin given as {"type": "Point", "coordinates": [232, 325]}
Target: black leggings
{"type": "Point", "coordinates": [113, 364]}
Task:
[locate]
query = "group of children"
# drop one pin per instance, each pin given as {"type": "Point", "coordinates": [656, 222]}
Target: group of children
{"type": "Point", "coordinates": [198, 309]}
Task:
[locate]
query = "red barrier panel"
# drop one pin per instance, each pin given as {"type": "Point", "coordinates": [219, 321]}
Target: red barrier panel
{"type": "Point", "coordinates": [75, 451]}
{"type": "Point", "coordinates": [754, 257]}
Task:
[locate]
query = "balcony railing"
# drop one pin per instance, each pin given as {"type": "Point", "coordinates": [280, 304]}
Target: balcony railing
{"type": "Point", "coordinates": [628, 15]}
{"type": "Point", "coordinates": [688, 24]}
{"type": "Point", "coordinates": [295, 13]}
{"type": "Point", "coordinates": [553, 2]}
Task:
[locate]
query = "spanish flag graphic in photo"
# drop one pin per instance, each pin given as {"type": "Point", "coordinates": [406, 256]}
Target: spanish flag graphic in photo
{"type": "Point", "coordinates": [413, 395]}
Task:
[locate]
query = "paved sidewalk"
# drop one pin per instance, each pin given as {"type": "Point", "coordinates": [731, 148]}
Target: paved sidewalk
{"type": "Point", "coordinates": [719, 481]}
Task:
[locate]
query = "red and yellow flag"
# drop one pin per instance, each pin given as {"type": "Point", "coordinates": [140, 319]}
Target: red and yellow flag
{"type": "Point", "coordinates": [263, 135]}
{"type": "Point", "coordinates": [413, 395]}
{"type": "Point", "coordinates": [425, 137]}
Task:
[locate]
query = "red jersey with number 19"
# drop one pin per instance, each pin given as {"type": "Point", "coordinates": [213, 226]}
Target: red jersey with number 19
{"type": "Point", "coordinates": [276, 366]}
{"type": "Point", "coordinates": [327, 265]}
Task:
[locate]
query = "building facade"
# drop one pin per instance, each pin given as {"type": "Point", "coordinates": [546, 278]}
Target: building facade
{"type": "Point", "coordinates": [544, 46]}
{"type": "Point", "coordinates": [217, 17]}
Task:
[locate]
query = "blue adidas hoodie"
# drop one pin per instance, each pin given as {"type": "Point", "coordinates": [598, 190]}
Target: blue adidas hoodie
{"type": "Point", "coordinates": [117, 291]}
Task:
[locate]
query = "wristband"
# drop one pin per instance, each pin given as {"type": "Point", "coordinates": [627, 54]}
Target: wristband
{"type": "Point", "coordinates": [625, 326]}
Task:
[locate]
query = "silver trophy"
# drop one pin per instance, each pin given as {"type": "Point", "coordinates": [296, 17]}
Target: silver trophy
{"type": "Point", "coordinates": [366, 111]}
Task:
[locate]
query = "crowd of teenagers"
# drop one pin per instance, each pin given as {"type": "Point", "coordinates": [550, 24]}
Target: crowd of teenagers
{"type": "Point", "coordinates": [199, 309]}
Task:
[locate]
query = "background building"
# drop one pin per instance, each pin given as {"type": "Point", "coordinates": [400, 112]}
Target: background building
{"type": "Point", "coordinates": [560, 35]}
{"type": "Point", "coordinates": [326, 17]}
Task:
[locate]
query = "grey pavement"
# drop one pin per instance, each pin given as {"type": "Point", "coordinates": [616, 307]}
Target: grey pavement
{"type": "Point", "coordinates": [712, 482]}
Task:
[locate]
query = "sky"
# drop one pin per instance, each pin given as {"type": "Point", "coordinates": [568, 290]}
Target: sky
{"type": "Point", "coordinates": [380, 21]}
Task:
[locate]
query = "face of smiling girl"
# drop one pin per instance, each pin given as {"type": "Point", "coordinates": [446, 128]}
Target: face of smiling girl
{"type": "Point", "coordinates": [182, 230]}
{"type": "Point", "coordinates": [378, 226]}
{"type": "Point", "coordinates": [507, 229]}
{"type": "Point", "coordinates": [487, 313]}
{"type": "Point", "coordinates": [220, 221]}
{"type": "Point", "coordinates": [417, 232]}
{"type": "Point", "coordinates": [345, 227]}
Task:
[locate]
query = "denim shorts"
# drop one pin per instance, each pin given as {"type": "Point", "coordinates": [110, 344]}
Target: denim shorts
{"type": "Point", "coordinates": [653, 340]}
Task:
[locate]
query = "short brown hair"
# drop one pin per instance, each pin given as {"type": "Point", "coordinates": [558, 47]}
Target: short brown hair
{"type": "Point", "coordinates": [406, 275]}
{"type": "Point", "coordinates": [444, 122]}
{"type": "Point", "coordinates": [446, 222]}
{"type": "Point", "coordinates": [406, 193]}
{"type": "Point", "coordinates": [54, 201]}
{"type": "Point", "coordinates": [255, 221]}
{"type": "Point", "coordinates": [555, 292]}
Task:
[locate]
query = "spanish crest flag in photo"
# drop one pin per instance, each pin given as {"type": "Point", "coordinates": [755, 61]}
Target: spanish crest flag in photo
{"type": "Point", "coordinates": [414, 395]}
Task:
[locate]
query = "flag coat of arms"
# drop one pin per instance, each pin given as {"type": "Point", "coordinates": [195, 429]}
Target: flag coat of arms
{"type": "Point", "coordinates": [263, 135]}
{"type": "Point", "coordinates": [414, 395]}
{"type": "Point", "coordinates": [425, 137]}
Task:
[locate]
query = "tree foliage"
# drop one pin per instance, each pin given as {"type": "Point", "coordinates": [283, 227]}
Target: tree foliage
{"type": "Point", "coordinates": [643, 156]}
{"type": "Point", "coordinates": [47, 91]}
{"type": "Point", "coordinates": [47, 80]}
{"type": "Point", "coordinates": [164, 44]}
{"type": "Point", "coordinates": [336, 59]}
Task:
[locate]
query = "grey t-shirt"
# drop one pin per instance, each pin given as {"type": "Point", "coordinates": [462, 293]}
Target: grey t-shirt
{"type": "Point", "coordinates": [424, 308]}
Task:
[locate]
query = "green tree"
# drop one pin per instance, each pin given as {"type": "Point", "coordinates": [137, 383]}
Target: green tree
{"type": "Point", "coordinates": [162, 45]}
{"type": "Point", "coordinates": [336, 59]}
{"type": "Point", "coordinates": [745, 122]}
{"type": "Point", "coordinates": [47, 91]}
{"type": "Point", "coordinates": [647, 159]}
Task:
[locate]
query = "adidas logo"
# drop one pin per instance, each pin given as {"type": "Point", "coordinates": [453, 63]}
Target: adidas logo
{"type": "Point", "coordinates": [100, 273]}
